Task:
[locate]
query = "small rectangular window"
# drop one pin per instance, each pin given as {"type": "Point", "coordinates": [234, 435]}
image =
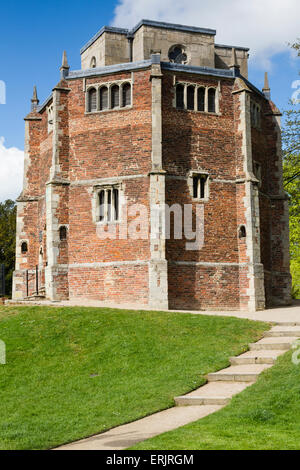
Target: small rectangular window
{"type": "Point", "coordinates": [108, 205]}
{"type": "Point", "coordinates": [257, 172]}
{"type": "Point", "coordinates": [200, 189]}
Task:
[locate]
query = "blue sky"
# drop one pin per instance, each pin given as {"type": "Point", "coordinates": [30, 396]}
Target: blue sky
{"type": "Point", "coordinates": [33, 35]}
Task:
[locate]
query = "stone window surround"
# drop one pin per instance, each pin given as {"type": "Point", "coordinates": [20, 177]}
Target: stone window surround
{"type": "Point", "coordinates": [109, 85]}
{"type": "Point", "coordinates": [190, 178]}
{"type": "Point", "coordinates": [96, 202]}
{"type": "Point", "coordinates": [257, 170]}
{"type": "Point", "coordinates": [50, 118]}
{"type": "Point", "coordinates": [196, 86]}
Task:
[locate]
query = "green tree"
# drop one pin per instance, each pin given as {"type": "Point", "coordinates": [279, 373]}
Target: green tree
{"type": "Point", "coordinates": [291, 175]}
{"type": "Point", "coordinates": [8, 240]}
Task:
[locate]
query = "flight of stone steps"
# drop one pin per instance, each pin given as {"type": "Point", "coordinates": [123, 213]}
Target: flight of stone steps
{"type": "Point", "coordinates": [244, 369]}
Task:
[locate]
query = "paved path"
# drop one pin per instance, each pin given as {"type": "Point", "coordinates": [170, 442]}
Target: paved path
{"type": "Point", "coordinates": [211, 397]}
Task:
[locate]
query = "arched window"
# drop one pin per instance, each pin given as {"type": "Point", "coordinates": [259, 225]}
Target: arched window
{"type": "Point", "coordinates": [115, 96]}
{"type": "Point", "coordinates": [211, 100]}
{"type": "Point", "coordinates": [93, 63]}
{"type": "Point", "coordinates": [180, 96]}
{"type": "Point", "coordinates": [92, 100]}
{"type": "Point", "coordinates": [201, 99]}
{"type": "Point", "coordinates": [24, 248]}
{"type": "Point", "coordinates": [242, 231]}
{"type": "Point", "coordinates": [191, 97]}
{"type": "Point", "coordinates": [126, 95]}
{"type": "Point", "coordinates": [62, 233]}
{"type": "Point", "coordinates": [103, 98]}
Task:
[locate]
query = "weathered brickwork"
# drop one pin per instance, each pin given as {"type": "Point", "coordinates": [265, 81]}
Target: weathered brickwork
{"type": "Point", "coordinates": [149, 150]}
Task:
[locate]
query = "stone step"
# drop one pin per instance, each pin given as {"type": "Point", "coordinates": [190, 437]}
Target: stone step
{"type": "Point", "coordinates": [288, 323]}
{"type": "Point", "coordinates": [193, 401]}
{"type": "Point", "coordinates": [256, 357]}
{"type": "Point", "coordinates": [35, 297]}
{"type": "Point", "coordinates": [283, 331]}
{"type": "Point", "coordinates": [273, 343]}
{"type": "Point", "coordinates": [212, 393]}
{"type": "Point", "coordinates": [239, 373]}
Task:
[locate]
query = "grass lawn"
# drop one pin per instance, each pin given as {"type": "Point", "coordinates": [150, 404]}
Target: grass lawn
{"type": "Point", "coordinates": [74, 372]}
{"type": "Point", "coordinates": [266, 416]}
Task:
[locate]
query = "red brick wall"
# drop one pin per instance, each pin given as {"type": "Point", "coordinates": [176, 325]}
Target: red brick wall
{"type": "Point", "coordinates": [200, 141]}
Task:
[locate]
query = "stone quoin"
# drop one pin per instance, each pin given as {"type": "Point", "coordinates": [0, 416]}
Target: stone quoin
{"type": "Point", "coordinates": [158, 115]}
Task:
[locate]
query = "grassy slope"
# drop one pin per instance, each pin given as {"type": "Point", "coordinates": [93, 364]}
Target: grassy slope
{"type": "Point", "coordinates": [265, 416]}
{"type": "Point", "coordinates": [73, 372]}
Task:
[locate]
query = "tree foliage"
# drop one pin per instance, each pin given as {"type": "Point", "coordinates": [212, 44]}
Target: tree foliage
{"type": "Point", "coordinates": [291, 177]}
{"type": "Point", "coordinates": [8, 240]}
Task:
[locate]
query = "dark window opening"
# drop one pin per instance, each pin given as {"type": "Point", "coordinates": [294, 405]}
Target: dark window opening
{"type": "Point", "coordinates": [190, 97]}
{"type": "Point", "coordinates": [199, 186]}
{"type": "Point", "coordinates": [180, 96]}
{"type": "Point", "coordinates": [109, 206]}
{"type": "Point", "coordinates": [92, 100]}
{"type": "Point", "coordinates": [177, 55]}
{"type": "Point", "coordinates": [24, 248]}
{"type": "Point", "coordinates": [242, 231]}
{"type": "Point", "coordinates": [103, 98]}
{"type": "Point", "coordinates": [62, 233]}
{"type": "Point", "coordinates": [257, 172]}
{"type": "Point", "coordinates": [116, 203]}
{"type": "Point", "coordinates": [93, 63]}
{"type": "Point", "coordinates": [101, 205]}
{"type": "Point", "coordinates": [115, 96]}
{"type": "Point", "coordinates": [201, 99]}
{"type": "Point", "coordinates": [211, 100]}
{"type": "Point", "coordinates": [126, 95]}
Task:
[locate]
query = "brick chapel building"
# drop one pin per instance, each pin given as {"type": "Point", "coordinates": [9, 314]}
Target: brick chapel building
{"type": "Point", "coordinates": [157, 115]}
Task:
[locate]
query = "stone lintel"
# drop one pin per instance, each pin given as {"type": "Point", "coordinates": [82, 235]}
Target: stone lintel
{"type": "Point", "coordinates": [158, 171]}
{"type": "Point", "coordinates": [61, 88]}
{"type": "Point", "coordinates": [57, 182]}
{"type": "Point", "coordinates": [28, 198]}
{"type": "Point", "coordinates": [33, 117]}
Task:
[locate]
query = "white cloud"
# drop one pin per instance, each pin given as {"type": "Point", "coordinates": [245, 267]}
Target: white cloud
{"type": "Point", "coordinates": [266, 26]}
{"type": "Point", "coordinates": [11, 171]}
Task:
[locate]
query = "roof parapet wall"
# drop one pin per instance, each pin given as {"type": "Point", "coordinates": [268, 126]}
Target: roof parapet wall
{"type": "Point", "coordinates": [153, 24]}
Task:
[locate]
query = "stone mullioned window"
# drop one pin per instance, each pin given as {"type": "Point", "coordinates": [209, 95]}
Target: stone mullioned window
{"type": "Point", "coordinates": [109, 96]}
{"type": "Point", "coordinates": [195, 97]}
{"type": "Point", "coordinates": [106, 205]}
